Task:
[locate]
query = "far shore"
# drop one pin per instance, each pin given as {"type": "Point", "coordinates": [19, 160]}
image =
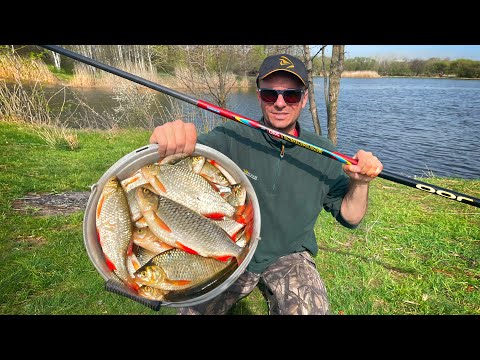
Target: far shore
{"type": "Point", "coordinates": [108, 80]}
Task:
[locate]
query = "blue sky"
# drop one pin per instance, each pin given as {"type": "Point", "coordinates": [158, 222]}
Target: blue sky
{"type": "Point", "coordinates": [411, 51]}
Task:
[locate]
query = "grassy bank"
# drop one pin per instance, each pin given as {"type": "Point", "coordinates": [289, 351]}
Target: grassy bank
{"type": "Point", "coordinates": [415, 253]}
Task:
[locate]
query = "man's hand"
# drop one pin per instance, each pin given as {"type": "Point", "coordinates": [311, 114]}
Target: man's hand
{"type": "Point", "coordinates": [174, 137]}
{"type": "Point", "coordinates": [355, 202]}
{"type": "Point", "coordinates": [368, 167]}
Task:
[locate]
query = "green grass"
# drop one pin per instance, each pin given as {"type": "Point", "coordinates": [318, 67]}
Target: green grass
{"type": "Point", "coordinates": [60, 74]}
{"type": "Point", "coordinates": [415, 253]}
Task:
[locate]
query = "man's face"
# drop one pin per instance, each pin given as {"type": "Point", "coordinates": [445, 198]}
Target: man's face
{"type": "Point", "coordinates": [280, 114]}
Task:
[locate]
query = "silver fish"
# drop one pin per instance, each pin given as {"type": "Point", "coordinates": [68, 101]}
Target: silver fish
{"type": "Point", "coordinates": [152, 293]}
{"type": "Point", "coordinates": [176, 269]}
{"type": "Point", "coordinates": [179, 226]}
{"type": "Point", "coordinates": [146, 239]}
{"type": "Point", "coordinates": [213, 174]}
{"type": "Point", "coordinates": [133, 181]}
{"type": "Point", "coordinates": [237, 196]}
{"type": "Point", "coordinates": [140, 223]}
{"type": "Point", "coordinates": [181, 184]}
{"type": "Point", "coordinates": [144, 255]}
{"type": "Point", "coordinates": [135, 212]}
{"type": "Point", "coordinates": [114, 227]}
{"type": "Point", "coordinates": [194, 162]}
{"type": "Point", "coordinates": [227, 175]}
{"type": "Point", "coordinates": [231, 226]}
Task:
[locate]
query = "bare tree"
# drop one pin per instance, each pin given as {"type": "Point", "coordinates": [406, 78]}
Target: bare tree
{"type": "Point", "coordinates": [336, 69]}
{"type": "Point", "coordinates": [311, 92]}
{"type": "Point", "coordinates": [56, 60]}
{"type": "Point", "coordinates": [325, 78]}
{"type": "Point", "coordinates": [207, 69]}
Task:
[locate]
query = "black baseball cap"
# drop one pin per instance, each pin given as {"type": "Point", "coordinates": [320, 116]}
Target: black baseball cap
{"type": "Point", "coordinates": [283, 62]}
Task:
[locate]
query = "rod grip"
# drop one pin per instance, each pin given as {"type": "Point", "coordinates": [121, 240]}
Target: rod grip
{"type": "Point", "coordinates": [348, 158]}
{"type": "Point", "coordinates": [120, 289]}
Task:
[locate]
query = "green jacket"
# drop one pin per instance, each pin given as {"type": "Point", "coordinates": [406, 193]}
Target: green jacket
{"type": "Point", "coordinates": [291, 189]}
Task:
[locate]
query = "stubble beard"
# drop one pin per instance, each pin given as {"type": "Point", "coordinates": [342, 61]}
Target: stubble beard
{"type": "Point", "coordinates": [281, 128]}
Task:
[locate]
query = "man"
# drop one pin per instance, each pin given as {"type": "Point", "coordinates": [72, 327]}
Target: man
{"type": "Point", "coordinates": [292, 185]}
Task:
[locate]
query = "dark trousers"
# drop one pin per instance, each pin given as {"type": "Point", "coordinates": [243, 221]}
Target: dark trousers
{"type": "Point", "coordinates": [291, 286]}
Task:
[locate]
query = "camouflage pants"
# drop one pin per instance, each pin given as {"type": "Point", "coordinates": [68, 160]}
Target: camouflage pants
{"type": "Point", "coordinates": [291, 286]}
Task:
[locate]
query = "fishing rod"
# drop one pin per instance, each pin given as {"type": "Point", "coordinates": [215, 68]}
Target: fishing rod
{"type": "Point", "coordinates": [420, 185]}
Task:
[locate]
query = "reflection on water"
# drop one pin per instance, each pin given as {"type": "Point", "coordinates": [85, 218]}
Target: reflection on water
{"type": "Point", "coordinates": [124, 106]}
{"type": "Point", "coordinates": [417, 127]}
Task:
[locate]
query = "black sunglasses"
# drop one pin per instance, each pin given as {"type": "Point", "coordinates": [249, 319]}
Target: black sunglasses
{"type": "Point", "coordinates": [291, 96]}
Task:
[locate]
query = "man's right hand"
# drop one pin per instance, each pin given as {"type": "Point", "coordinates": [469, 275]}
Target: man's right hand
{"type": "Point", "coordinates": [174, 137]}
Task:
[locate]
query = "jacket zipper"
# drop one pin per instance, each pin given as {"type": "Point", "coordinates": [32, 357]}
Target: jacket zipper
{"type": "Point", "coordinates": [277, 172]}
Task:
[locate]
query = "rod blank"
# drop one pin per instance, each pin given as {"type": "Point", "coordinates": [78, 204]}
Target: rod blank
{"type": "Point", "coordinates": [420, 185]}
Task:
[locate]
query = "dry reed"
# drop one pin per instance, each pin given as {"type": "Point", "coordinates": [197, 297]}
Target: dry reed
{"type": "Point", "coordinates": [360, 74]}
{"type": "Point", "coordinates": [14, 67]}
{"type": "Point", "coordinates": [30, 106]}
{"type": "Point", "coordinates": [87, 76]}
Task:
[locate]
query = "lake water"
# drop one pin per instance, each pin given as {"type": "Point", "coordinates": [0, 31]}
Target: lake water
{"type": "Point", "coordinates": [416, 127]}
{"type": "Point", "coordinates": [413, 125]}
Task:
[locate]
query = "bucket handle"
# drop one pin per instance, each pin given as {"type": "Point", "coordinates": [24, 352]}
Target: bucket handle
{"type": "Point", "coordinates": [116, 287]}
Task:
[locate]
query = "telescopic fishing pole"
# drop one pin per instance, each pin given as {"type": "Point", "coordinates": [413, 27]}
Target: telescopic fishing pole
{"type": "Point", "coordinates": [420, 185]}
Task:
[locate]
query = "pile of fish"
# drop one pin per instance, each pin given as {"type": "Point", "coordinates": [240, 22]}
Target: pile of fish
{"type": "Point", "coordinates": [173, 225]}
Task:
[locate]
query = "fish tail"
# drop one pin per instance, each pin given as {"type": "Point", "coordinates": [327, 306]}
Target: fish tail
{"type": "Point", "coordinates": [131, 180]}
{"type": "Point", "coordinates": [235, 236]}
{"type": "Point", "coordinates": [240, 257]}
{"type": "Point", "coordinates": [247, 215]}
{"type": "Point", "coordinates": [239, 209]}
{"type": "Point", "coordinates": [248, 231]}
{"type": "Point", "coordinates": [240, 218]}
{"type": "Point", "coordinates": [135, 263]}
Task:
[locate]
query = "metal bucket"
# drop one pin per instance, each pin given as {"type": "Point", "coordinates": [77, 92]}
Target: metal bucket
{"type": "Point", "coordinates": [124, 168]}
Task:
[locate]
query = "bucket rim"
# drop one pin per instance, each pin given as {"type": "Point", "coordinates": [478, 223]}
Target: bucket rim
{"type": "Point", "coordinates": [125, 167]}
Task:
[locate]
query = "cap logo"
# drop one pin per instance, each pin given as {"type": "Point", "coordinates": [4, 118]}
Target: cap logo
{"type": "Point", "coordinates": [284, 61]}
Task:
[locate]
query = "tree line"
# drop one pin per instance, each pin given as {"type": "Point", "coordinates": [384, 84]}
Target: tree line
{"type": "Point", "coordinates": [433, 67]}
{"type": "Point", "coordinates": [214, 70]}
{"type": "Point", "coordinates": [242, 60]}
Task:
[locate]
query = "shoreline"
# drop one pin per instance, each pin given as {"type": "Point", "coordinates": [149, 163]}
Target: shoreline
{"type": "Point", "coordinates": [172, 83]}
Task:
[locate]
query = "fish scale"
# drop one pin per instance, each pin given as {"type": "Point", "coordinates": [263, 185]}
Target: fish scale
{"type": "Point", "coordinates": [114, 227]}
{"type": "Point", "coordinates": [186, 229]}
{"type": "Point", "coordinates": [186, 187]}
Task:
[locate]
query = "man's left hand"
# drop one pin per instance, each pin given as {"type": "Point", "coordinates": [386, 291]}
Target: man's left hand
{"type": "Point", "coordinates": [368, 167]}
